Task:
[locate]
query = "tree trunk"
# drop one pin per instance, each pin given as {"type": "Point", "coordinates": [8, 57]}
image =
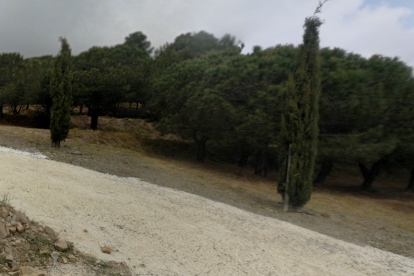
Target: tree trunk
{"type": "Point", "coordinates": [94, 119]}
{"type": "Point", "coordinates": [286, 202]}
{"type": "Point", "coordinates": [1, 112]}
{"type": "Point", "coordinates": [14, 109]}
{"type": "Point", "coordinates": [201, 147]}
{"type": "Point", "coordinates": [56, 144]}
{"type": "Point", "coordinates": [411, 182]}
{"type": "Point", "coordinates": [244, 159]}
{"type": "Point", "coordinates": [27, 107]}
{"type": "Point", "coordinates": [115, 110]}
{"type": "Point", "coordinates": [369, 174]}
{"type": "Point", "coordinates": [81, 110]}
{"type": "Point", "coordinates": [261, 163]}
{"type": "Point", "coordinates": [325, 171]}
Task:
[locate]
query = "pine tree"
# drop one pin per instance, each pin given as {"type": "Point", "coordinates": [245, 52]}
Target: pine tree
{"type": "Point", "coordinates": [299, 130]}
{"type": "Point", "coordinates": [61, 93]}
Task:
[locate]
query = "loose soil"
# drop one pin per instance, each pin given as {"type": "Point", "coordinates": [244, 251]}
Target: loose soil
{"type": "Point", "coordinates": [363, 219]}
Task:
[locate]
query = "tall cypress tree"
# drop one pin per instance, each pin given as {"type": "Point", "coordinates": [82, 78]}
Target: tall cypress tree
{"type": "Point", "coordinates": [299, 130]}
{"type": "Point", "coordinates": [61, 93]}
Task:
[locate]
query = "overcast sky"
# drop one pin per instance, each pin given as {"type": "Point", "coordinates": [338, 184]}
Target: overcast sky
{"type": "Point", "coordinates": [362, 26]}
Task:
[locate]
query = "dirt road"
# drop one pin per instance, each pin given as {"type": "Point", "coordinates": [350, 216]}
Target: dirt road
{"type": "Point", "coordinates": [160, 231]}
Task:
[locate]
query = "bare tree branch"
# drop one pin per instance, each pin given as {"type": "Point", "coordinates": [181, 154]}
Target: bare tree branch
{"type": "Point", "coordinates": [319, 7]}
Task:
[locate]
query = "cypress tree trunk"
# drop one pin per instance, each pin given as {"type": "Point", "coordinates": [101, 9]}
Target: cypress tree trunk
{"type": "Point", "coordinates": [56, 144]}
{"type": "Point", "coordinates": [94, 118]}
{"type": "Point", "coordinates": [299, 128]}
{"type": "Point", "coordinates": [324, 171]}
{"type": "Point", "coordinates": [411, 182]}
{"type": "Point", "coordinates": [369, 175]}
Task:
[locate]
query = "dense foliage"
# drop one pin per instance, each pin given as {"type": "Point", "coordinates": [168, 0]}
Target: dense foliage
{"type": "Point", "coordinates": [230, 105]}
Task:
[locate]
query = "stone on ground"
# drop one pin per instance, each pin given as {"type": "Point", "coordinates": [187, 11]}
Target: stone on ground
{"type": "Point", "coordinates": [106, 249]}
{"type": "Point", "coordinates": [61, 246]}
{"type": "Point", "coordinates": [31, 271]}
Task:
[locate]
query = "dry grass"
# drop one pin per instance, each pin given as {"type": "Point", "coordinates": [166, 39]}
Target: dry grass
{"type": "Point", "coordinates": [390, 206]}
{"type": "Point", "coordinates": [388, 211]}
{"type": "Point", "coordinates": [388, 203]}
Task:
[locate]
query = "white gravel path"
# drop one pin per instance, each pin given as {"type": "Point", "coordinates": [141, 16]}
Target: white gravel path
{"type": "Point", "coordinates": [160, 231]}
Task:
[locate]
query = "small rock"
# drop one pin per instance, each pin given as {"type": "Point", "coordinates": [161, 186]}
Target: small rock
{"type": "Point", "coordinates": [19, 227]}
{"type": "Point", "coordinates": [14, 266]}
{"type": "Point", "coordinates": [101, 262]}
{"type": "Point", "coordinates": [31, 271]}
{"type": "Point", "coordinates": [85, 230]}
{"type": "Point", "coordinates": [31, 264]}
{"type": "Point", "coordinates": [40, 229]}
{"type": "Point", "coordinates": [44, 252]}
{"type": "Point", "coordinates": [106, 249]}
{"type": "Point", "coordinates": [325, 215]}
{"type": "Point", "coordinates": [61, 246]}
{"type": "Point", "coordinates": [63, 260]}
{"type": "Point", "coordinates": [4, 213]}
{"type": "Point", "coordinates": [72, 258]}
{"type": "Point", "coordinates": [55, 256]}
{"type": "Point", "coordinates": [50, 231]}
{"type": "Point", "coordinates": [9, 258]}
{"type": "Point", "coordinates": [22, 218]}
{"type": "Point", "coordinates": [12, 229]}
{"type": "Point", "coordinates": [3, 231]}
{"type": "Point", "coordinates": [13, 220]}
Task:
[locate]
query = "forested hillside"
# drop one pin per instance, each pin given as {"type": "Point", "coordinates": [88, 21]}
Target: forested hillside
{"type": "Point", "coordinates": [204, 90]}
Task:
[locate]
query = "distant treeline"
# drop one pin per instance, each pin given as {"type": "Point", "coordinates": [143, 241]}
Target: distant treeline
{"type": "Point", "coordinates": [204, 89]}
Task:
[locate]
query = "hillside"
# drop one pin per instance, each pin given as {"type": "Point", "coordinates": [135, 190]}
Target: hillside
{"type": "Point", "coordinates": [379, 219]}
{"type": "Point", "coordinates": [162, 231]}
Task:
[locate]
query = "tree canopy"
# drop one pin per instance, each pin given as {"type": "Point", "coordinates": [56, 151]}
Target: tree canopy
{"type": "Point", "coordinates": [229, 105]}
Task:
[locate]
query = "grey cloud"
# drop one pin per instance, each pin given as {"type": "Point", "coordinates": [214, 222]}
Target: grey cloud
{"type": "Point", "coordinates": [33, 27]}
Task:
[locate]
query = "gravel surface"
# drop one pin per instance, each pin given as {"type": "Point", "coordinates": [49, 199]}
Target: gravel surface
{"type": "Point", "coordinates": [161, 231]}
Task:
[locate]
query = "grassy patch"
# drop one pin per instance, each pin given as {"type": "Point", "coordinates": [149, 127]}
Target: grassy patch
{"type": "Point", "coordinates": [3, 258]}
{"type": "Point", "coordinates": [6, 201]}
